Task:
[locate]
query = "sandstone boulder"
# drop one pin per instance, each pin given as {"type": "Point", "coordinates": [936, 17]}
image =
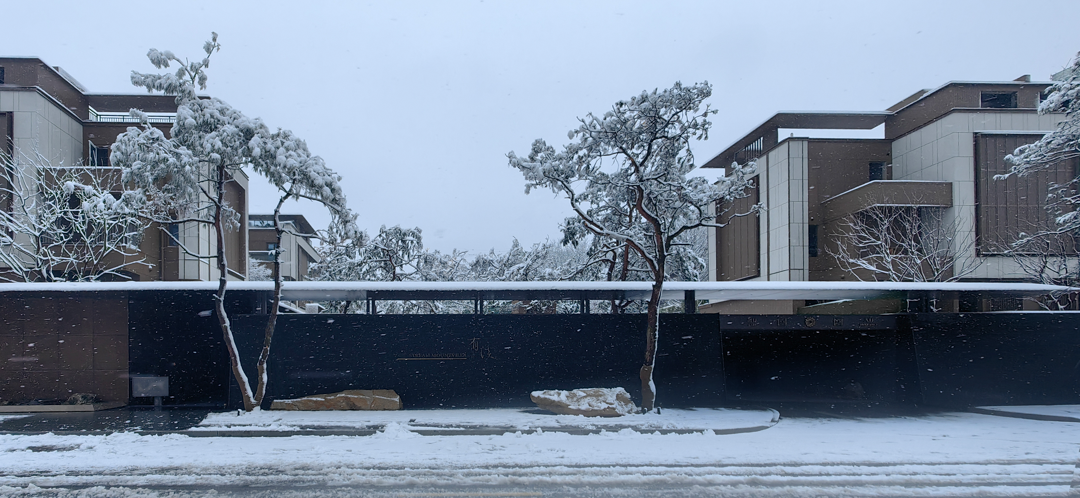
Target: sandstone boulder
{"type": "Point", "coordinates": [593, 402]}
{"type": "Point", "coordinates": [353, 399]}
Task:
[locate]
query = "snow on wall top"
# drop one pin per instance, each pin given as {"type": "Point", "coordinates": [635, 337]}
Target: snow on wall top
{"type": "Point", "coordinates": [745, 290]}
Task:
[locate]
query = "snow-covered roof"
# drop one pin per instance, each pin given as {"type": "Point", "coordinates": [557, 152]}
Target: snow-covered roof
{"type": "Point", "coordinates": [719, 291]}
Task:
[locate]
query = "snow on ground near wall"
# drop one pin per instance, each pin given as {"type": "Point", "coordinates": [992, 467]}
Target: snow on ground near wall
{"type": "Point", "coordinates": [524, 420]}
{"type": "Point", "coordinates": [941, 450]}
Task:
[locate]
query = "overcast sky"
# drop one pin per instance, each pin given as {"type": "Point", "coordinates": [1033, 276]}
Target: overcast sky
{"type": "Point", "coordinates": [416, 104]}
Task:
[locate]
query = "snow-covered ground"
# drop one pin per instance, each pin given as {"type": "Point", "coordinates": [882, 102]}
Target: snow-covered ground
{"type": "Point", "coordinates": [501, 420]}
{"type": "Point", "coordinates": [955, 454]}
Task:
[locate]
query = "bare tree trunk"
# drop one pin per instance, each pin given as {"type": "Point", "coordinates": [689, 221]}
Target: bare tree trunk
{"type": "Point", "coordinates": [611, 274]}
{"type": "Point", "coordinates": [652, 322]}
{"type": "Point", "coordinates": [268, 334]}
{"type": "Point", "coordinates": [219, 298]}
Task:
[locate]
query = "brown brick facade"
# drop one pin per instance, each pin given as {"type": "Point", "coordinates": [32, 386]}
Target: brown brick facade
{"type": "Point", "coordinates": [54, 346]}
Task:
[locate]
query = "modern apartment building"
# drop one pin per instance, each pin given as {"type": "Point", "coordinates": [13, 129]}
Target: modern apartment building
{"type": "Point", "coordinates": [297, 254]}
{"type": "Point", "coordinates": [939, 152]}
{"type": "Point", "coordinates": [45, 113]}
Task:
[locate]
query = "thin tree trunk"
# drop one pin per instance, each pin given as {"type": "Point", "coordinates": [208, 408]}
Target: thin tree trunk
{"type": "Point", "coordinates": [268, 334]}
{"type": "Point", "coordinates": [610, 276]}
{"type": "Point", "coordinates": [652, 322]}
{"type": "Point", "coordinates": [219, 298]}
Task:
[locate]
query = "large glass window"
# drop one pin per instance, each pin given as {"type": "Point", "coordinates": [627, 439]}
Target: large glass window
{"type": "Point", "coordinates": [998, 100]}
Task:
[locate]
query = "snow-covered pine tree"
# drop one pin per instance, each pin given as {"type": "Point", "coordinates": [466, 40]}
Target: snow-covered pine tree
{"type": "Point", "coordinates": [634, 159]}
{"type": "Point", "coordinates": [394, 254]}
{"type": "Point", "coordinates": [184, 176]}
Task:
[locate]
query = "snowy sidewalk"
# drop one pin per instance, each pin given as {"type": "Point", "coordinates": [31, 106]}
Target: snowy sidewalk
{"type": "Point", "coordinates": [952, 454]}
{"type": "Point", "coordinates": [481, 422]}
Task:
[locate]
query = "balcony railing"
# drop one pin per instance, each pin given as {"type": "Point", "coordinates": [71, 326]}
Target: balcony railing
{"type": "Point", "coordinates": [127, 118]}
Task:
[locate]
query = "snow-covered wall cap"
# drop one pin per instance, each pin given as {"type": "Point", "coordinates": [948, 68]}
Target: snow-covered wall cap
{"type": "Point", "coordinates": [717, 291]}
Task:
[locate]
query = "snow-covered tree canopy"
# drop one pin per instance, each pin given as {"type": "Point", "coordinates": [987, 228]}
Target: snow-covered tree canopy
{"type": "Point", "coordinates": [284, 159]}
{"type": "Point", "coordinates": [210, 142]}
{"type": "Point", "coordinates": [625, 173]}
{"type": "Point", "coordinates": [185, 175]}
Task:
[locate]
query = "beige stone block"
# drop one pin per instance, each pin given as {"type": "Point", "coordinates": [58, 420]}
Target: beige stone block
{"type": "Point", "coordinates": [591, 402]}
{"type": "Point", "coordinates": [353, 399]}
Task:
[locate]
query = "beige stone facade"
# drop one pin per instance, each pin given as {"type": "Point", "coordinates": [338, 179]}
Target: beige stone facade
{"type": "Point", "coordinates": [45, 113]}
{"type": "Point", "coordinates": [939, 149]}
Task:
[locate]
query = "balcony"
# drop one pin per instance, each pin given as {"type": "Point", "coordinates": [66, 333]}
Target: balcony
{"type": "Point", "coordinates": [888, 193]}
{"type": "Point", "coordinates": [123, 117]}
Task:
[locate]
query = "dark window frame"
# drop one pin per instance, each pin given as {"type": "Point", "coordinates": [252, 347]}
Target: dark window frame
{"type": "Point", "coordinates": [998, 100]}
{"type": "Point", "coordinates": [877, 170]}
{"type": "Point", "coordinates": [99, 156]}
{"type": "Point", "coordinates": [174, 234]}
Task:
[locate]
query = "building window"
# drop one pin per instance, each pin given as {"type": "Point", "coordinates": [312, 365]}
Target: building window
{"type": "Point", "coordinates": [174, 234]}
{"type": "Point", "coordinates": [270, 246]}
{"type": "Point", "coordinates": [99, 156]}
{"type": "Point", "coordinates": [1, 75]}
{"type": "Point", "coordinates": [877, 171]}
{"type": "Point", "coordinates": [998, 100]}
{"type": "Point", "coordinates": [813, 241]}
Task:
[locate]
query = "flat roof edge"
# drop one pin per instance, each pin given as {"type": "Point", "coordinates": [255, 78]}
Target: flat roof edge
{"type": "Point", "coordinates": [815, 120]}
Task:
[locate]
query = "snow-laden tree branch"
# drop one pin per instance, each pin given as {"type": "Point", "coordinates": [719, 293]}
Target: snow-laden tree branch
{"type": "Point", "coordinates": [68, 223]}
{"type": "Point", "coordinates": [901, 244]}
{"type": "Point", "coordinates": [625, 176]}
{"type": "Point", "coordinates": [286, 162]}
{"type": "Point", "coordinates": [1050, 256]}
